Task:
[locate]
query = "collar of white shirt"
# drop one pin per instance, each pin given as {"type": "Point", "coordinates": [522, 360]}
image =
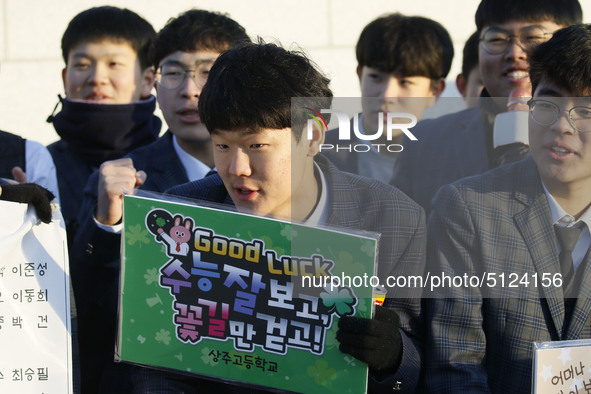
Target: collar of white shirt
{"type": "Point", "coordinates": [194, 167]}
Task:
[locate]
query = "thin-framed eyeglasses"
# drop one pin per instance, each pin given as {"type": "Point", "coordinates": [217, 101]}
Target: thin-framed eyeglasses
{"type": "Point", "coordinates": [545, 113]}
{"type": "Point", "coordinates": [496, 41]}
{"type": "Point", "coordinates": [172, 76]}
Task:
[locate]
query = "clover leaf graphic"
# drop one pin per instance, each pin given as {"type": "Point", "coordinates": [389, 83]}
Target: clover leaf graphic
{"type": "Point", "coordinates": [206, 358]}
{"type": "Point", "coordinates": [331, 341]}
{"type": "Point", "coordinates": [338, 300]}
{"type": "Point", "coordinates": [368, 248]}
{"type": "Point", "coordinates": [136, 234]}
{"type": "Point", "coordinates": [151, 276]}
{"type": "Point", "coordinates": [163, 336]}
{"type": "Point", "coordinates": [321, 373]}
{"type": "Point", "coordinates": [288, 232]}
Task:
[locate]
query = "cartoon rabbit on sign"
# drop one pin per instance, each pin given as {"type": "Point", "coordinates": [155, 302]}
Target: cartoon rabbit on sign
{"type": "Point", "coordinates": [178, 236]}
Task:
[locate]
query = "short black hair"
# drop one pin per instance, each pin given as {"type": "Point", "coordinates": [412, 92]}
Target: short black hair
{"type": "Point", "coordinates": [561, 12]}
{"type": "Point", "coordinates": [564, 60]}
{"type": "Point", "coordinates": [251, 87]}
{"type": "Point", "coordinates": [470, 54]}
{"type": "Point", "coordinates": [109, 23]}
{"type": "Point", "coordinates": [409, 45]}
{"type": "Point", "coordinates": [195, 30]}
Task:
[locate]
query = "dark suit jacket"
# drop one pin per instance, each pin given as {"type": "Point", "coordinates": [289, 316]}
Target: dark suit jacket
{"type": "Point", "coordinates": [95, 261]}
{"type": "Point", "coordinates": [365, 204]}
{"type": "Point", "coordinates": [498, 222]}
{"type": "Point", "coordinates": [73, 172]}
{"type": "Point", "coordinates": [448, 148]}
{"type": "Point", "coordinates": [12, 153]}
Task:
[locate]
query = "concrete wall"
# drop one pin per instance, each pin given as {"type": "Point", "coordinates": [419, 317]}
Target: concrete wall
{"type": "Point", "coordinates": [31, 30]}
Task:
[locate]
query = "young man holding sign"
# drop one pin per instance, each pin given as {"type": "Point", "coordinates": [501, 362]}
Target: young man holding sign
{"type": "Point", "coordinates": [268, 165]}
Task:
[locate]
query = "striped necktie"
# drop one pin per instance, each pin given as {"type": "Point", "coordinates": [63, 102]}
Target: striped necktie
{"type": "Point", "coordinates": [567, 237]}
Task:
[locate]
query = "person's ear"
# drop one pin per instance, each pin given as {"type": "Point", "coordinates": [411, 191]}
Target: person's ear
{"type": "Point", "coordinates": [64, 79]}
{"type": "Point", "coordinates": [148, 79]}
{"type": "Point", "coordinates": [359, 72]}
{"type": "Point", "coordinates": [437, 87]}
{"type": "Point", "coordinates": [461, 84]}
{"type": "Point", "coordinates": [315, 140]}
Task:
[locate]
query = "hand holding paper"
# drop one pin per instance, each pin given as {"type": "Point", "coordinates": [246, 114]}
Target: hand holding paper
{"type": "Point", "coordinates": [377, 341]}
{"type": "Point", "coordinates": [30, 193]}
{"type": "Point", "coordinates": [19, 175]}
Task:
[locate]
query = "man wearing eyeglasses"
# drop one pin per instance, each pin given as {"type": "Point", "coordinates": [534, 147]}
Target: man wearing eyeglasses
{"type": "Point", "coordinates": [461, 144]}
{"type": "Point", "coordinates": [182, 53]}
{"type": "Point", "coordinates": [523, 231]}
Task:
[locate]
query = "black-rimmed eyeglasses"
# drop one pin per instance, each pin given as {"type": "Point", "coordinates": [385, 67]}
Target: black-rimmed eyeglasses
{"type": "Point", "coordinates": [173, 76]}
{"type": "Point", "coordinates": [496, 41]}
{"type": "Point", "coordinates": [545, 113]}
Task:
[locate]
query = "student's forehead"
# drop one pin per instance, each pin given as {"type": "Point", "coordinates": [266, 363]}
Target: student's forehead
{"type": "Point", "coordinates": [106, 46]}
{"type": "Point", "coordinates": [517, 24]}
{"type": "Point", "coordinates": [549, 89]}
{"type": "Point", "coordinates": [397, 73]}
{"type": "Point", "coordinates": [253, 132]}
{"type": "Point", "coordinates": [191, 58]}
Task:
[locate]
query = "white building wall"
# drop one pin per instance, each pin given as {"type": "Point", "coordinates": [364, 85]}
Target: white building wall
{"type": "Point", "coordinates": [31, 30]}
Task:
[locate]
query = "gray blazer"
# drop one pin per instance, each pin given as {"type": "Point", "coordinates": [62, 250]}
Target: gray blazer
{"type": "Point", "coordinates": [448, 148]}
{"type": "Point", "coordinates": [497, 222]}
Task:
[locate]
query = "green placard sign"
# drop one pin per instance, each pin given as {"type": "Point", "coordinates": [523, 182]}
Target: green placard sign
{"type": "Point", "coordinates": [239, 297]}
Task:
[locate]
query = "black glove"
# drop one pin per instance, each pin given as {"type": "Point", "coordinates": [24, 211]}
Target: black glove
{"type": "Point", "coordinates": [30, 193]}
{"type": "Point", "coordinates": [376, 342]}
{"type": "Point", "coordinates": [509, 153]}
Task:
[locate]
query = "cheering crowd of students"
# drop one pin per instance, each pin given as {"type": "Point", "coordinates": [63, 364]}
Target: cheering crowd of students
{"type": "Point", "coordinates": [451, 201]}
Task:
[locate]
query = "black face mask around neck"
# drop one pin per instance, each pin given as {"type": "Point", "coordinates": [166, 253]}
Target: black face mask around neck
{"type": "Point", "coordinates": [101, 132]}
